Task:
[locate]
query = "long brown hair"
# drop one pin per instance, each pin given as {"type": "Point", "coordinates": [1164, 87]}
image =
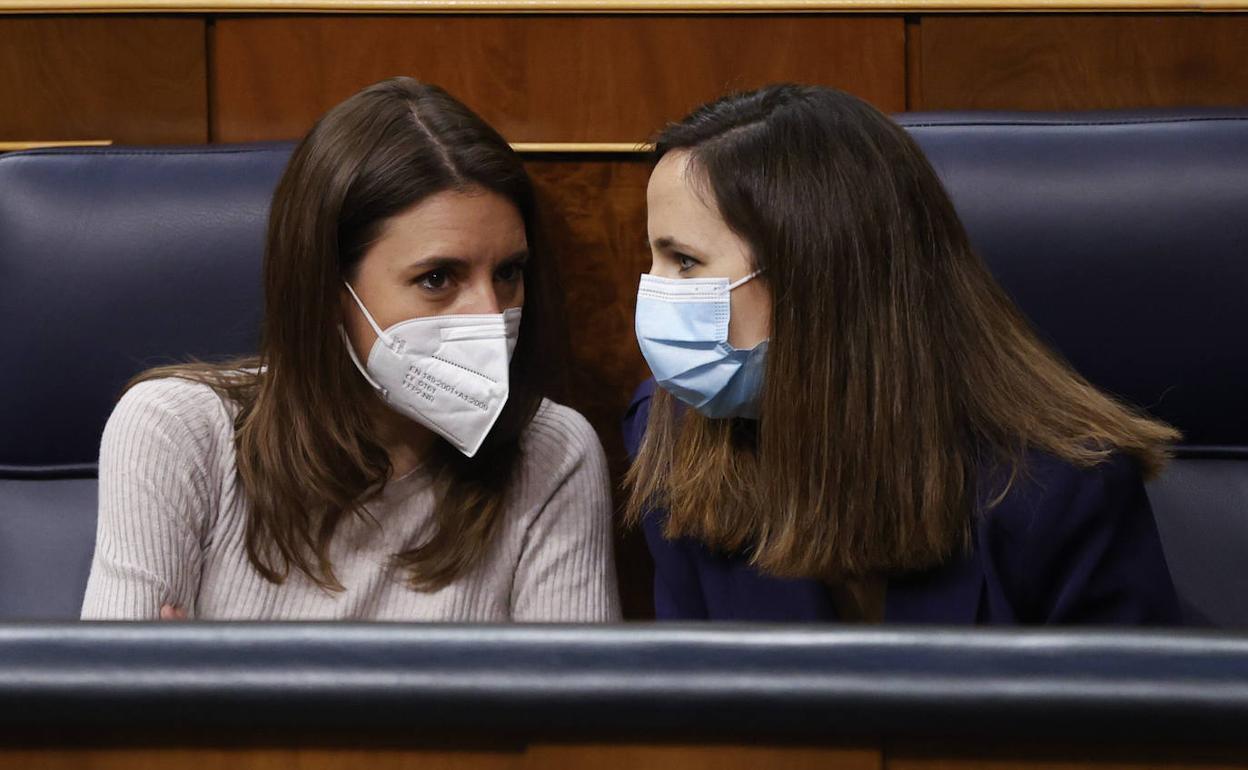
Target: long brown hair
{"type": "Point", "coordinates": [307, 453]}
{"type": "Point", "coordinates": [900, 378]}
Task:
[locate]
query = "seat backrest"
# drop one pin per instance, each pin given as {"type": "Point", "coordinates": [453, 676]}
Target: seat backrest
{"type": "Point", "coordinates": [113, 260]}
{"type": "Point", "coordinates": [1124, 237]}
{"type": "Point", "coordinates": [47, 534]}
{"type": "Point", "coordinates": [1201, 504]}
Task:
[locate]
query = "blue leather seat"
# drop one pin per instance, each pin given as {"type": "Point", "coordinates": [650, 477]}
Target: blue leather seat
{"type": "Point", "coordinates": [1124, 236]}
{"type": "Point", "coordinates": [112, 261]}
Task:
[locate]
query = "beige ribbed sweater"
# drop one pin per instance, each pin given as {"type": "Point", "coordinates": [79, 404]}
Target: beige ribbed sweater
{"type": "Point", "coordinates": [173, 515]}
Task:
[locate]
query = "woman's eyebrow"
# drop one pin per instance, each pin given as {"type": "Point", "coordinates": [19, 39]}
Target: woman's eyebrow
{"type": "Point", "coordinates": [436, 262]}
{"type": "Point", "coordinates": [668, 243]}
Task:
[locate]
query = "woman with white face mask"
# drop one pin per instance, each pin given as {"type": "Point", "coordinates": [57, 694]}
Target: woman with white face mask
{"type": "Point", "coordinates": [849, 419]}
{"type": "Point", "coordinates": [389, 455]}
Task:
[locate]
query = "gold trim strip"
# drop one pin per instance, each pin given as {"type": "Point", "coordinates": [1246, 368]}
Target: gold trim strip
{"type": "Point", "coordinates": [609, 6]}
{"type": "Point", "coordinates": [527, 148]}
{"type": "Point", "coordinates": [15, 146]}
{"type": "Point", "coordinates": [581, 148]}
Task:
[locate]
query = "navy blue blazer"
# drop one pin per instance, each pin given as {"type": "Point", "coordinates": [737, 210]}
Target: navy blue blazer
{"type": "Point", "coordinates": [1066, 545]}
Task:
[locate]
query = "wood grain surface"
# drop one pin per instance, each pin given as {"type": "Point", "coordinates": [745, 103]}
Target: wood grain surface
{"type": "Point", "coordinates": [542, 78]}
{"type": "Point", "coordinates": [1080, 62]}
{"type": "Point", "coordinates": [537, 757]}
{"type": "Point", "coordinates": [134, 80]}
{"type": "Point", "coordinates": [594, 216]}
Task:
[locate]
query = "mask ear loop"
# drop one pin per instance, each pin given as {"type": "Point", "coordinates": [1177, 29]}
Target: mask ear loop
{"type": "Point", "coordinates": [381, 335]}
{"type": "Point", "coordinates": [744, 280]}
{"type": "Point", "coordinates": [356, 360]}
{"type": "Point", "coordinates": [351, 348]}
{"type": "Point", "coordinates": [731, 286]}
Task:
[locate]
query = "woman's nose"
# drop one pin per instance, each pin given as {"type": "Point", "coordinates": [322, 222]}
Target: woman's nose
{"type": "Point", "coordinates": [663, 269]}
{"type": "Point", "coordinates": [482, 299]}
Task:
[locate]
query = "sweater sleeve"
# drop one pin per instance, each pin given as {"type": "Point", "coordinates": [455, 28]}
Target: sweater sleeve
{"type": "Point", "coordinates": [566, 571]}
{"type": "Point", "coordinates": [154, 498]}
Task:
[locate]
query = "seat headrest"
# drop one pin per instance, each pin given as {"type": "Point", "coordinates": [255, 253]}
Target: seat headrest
{"type": "Point", "coordinates": [1124, 237]}
{"type": "Point", "coordinates": [114, 260]}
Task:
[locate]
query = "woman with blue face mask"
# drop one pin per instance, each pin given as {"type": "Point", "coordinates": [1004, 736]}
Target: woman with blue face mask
{"type": "Point", "coordinates": [389, 454]}
{"type": "Point", "coordinates": [848, 418]}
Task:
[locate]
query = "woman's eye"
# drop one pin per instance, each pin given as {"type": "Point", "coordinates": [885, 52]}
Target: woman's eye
{"type": "Point", "coordinates": [434, 280]}
{"type": "Point", "coordinates": [510, 273]}
{"type": "Point", "coordinates": [686, 262]}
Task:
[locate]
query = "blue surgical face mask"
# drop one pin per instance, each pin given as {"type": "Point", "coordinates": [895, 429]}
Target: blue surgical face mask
{"type": "Point", "coordinates": [682, 328]}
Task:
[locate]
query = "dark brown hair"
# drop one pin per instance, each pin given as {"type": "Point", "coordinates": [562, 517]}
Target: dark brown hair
{"type": "Point", "coordinates": [306, 452]}
{"type": "Point", "coordinates": [899, 375]}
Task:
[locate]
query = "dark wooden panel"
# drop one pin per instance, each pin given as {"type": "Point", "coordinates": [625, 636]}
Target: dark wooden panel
{"type": "Point", "coordinates": [1069, 62]}
{"type": "Point", "coordinates": [595, 223]}
{"type": "Point", "coordinates": [536, 757]}
{"type": "Point", "coordinates": [1021, 762]}
{"type": "Point", "coordinates": [131, 79]}
{"type": "Point", "coordinates": [702, 757]}
{"type": "Point", "coordinates": [595, 217]}
{"type": "Point", "coordinates": [250, 758]}
{"type": "Point", "coordinates": [542, 78]}
{"type": "Point", "coordinates": [1002, 754]}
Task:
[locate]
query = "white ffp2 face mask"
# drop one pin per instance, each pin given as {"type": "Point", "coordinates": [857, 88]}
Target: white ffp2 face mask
{"type": "Point", "coordinates": [447, 372]}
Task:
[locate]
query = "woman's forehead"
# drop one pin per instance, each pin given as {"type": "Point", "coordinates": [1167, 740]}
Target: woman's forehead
{"type": "Point", "coordinates": [471, 225]}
